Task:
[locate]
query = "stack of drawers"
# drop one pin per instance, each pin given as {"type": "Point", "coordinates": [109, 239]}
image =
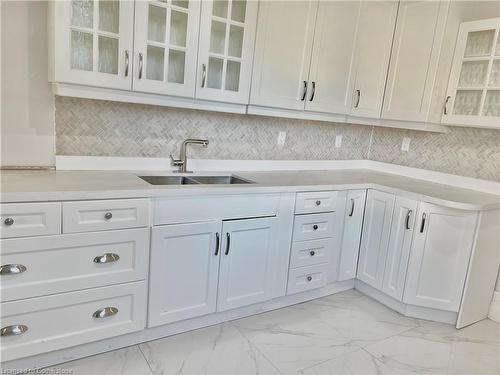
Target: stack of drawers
{"type": "Point", "coordinates": [313, 243]}
{"type": "Point", "coordinates": [71, 273]}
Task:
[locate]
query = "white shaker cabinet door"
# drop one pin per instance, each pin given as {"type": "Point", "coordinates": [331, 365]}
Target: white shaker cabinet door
{"type": "Point", "coordinates": [439, 257]}
{"type": "Point", "coordinates": [225, 53]}
{"type": "Point", "coordinates": [331, 78]}
{"type": "Point", "coordinates": [91, 42]}
{"type": "Point", "coordinates": [414, 60]}
{"type": "Point", "coordinates": [375, 237]}
{"type": "Point", "coordinates": [183, 272]}
{"type": "Point", "coordinates": [373, 49]}
{"type": "Point", "coordinates": [249, 261]}
{"type": "Point", "coordinates": [283, 46]}
{"type": "Point", "coordinates": [353, 223]}
{"type": "Point", "coordinates": [166, 47]}
{"type": "Point", "coordinates": [402, 227]}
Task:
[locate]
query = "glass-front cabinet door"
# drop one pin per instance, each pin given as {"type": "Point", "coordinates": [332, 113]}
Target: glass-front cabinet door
{"type": "Point", "coordinates": [473, 97]}
{"type": "Point", "coordinates": [227, 33]}
{"type": "Point", "coordinates": [166, 40]}
{"type": "Point", "coordinates": [93, 42]}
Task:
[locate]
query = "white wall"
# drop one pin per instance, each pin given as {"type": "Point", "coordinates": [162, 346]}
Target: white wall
{"type": "Point", "coordinates": [27, 103]}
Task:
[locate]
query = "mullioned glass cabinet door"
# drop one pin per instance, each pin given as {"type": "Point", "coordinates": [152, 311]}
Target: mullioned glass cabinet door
{"type": "Point", "coordinates": [92, 42]}
{"type": "Point", "coordinates": [166, 43]}
{"type": "Point", "coordinates": [473, 97]}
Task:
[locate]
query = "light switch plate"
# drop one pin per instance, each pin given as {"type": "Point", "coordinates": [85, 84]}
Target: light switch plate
{"type": "Point", "coordinates": [405, 145]}
{"type": "Point", "coordinates": [281, 139]}
{"type": "Point", "coordinates": [338, 141]}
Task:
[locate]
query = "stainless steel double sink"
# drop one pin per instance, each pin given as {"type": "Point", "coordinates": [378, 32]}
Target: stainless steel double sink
{"type": "Point", "coordinates": [195, 180]}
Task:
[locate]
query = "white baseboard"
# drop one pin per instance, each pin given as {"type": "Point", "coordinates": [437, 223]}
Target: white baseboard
{"type": "Point", "coordinates": [494, 313]}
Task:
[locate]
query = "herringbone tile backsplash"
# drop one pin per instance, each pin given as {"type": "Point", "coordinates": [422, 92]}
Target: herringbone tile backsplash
{"type": "Point", "coordinates": [101, 128]}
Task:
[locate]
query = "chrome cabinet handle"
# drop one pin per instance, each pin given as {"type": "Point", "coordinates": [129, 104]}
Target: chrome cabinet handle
{"type": "Point", "coordinates": [422, 226]}
{"type": "Point", "coordinates": [12, 269]}
{"type": "Point", "coordinates": [445, 109]}
{"type": "Point", "coordinates": [304, 91]}
{"type": "Point", "coordinates": [107, 258]}
{"type": "Point", "coordinates": [140, 65]}
{"type": "Point", "coordinates": [126, 62]}
{"type": "Point", "coordinates": [108, 215]}
{"type": "Point", "coordinates": [105, 312]}
{"type": "Point", "coordinates": [203, 74]}
{"type": "Point", "coordinates": [352, 207]}
{"type": "Point", "coordinates": [9, 221]}
{"type": "Point", "coordinates": [228, 243]}
{"type": "Point", "coordinates": [217, 243]}
{"type": "Point", "coordinates": [407, 222]}
{"type": "Point", "coordinates": [14, 330]}
{"type": "Point", "coordinates": [318, 203]}
{"type": "Point", "coordinates": [315, 227]}
{"type": "Point", "coordinates": [309, 278]}
{"type": "Point", "coordinates": [358, 98]}
{"type": "Point", "coordinates": [313, 91]}
{"type": "Point", "coordinates": [312, 253]}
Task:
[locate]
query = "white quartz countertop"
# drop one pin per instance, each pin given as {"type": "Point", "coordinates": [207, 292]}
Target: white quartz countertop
{"type": "Point", "coordinates": [31, 186]}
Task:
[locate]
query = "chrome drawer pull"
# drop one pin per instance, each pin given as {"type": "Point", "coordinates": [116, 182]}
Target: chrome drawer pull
{"type": "Point", "coordinates": [106, 258]}
{"type": "Point", "coordinates": [12, 269]}
{"type": "Point", "coordinates": [318, 203]}
{"type": "Point", "coordinates": [105, 312]}
{"type": "Point", "coordinates": [9, 221]}
{"type": "Point", "coordinates": [312, 253]}
{"type": "Point", "coordinates": [108, 215]}
{"type": "Point", "coordinates": [315, 227]}
{"type": "Point", "coordinates": [14, 330]}
{"type": "Point", "coordinates": [309, 278]}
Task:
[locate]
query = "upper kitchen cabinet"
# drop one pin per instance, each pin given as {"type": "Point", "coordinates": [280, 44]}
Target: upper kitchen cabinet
{"type": "Point", "coordinates": [414, 60]}
{"type": "Point", "coordinates": [227, 33]}
{"type": "Point", "coordinates": [91, 42]}
{"type": "Point", "coordinates": [473, 97]}
{"type": "Point", "coordinates": [283, 53]}
{"type": "Point", "coordinates": [166, 44]}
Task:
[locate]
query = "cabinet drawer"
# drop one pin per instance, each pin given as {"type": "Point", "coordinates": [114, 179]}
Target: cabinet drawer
{"type": "Point", "coordinates": [87, 216]}
{"type": "Point", "coordinates": [30, 219]}
{"type": "Point", "coordinates": [312, 202]}
{"type": "Point", "coordinates": [56, 264]}
{"type": "Point", "coordinates": [63, 320]}
{"type": "Point", "coordinates": [313, 227]}
{"type": "Point", "coordinates": [307, 253]}
{"type": "Point", "coordinates": [306, 278]}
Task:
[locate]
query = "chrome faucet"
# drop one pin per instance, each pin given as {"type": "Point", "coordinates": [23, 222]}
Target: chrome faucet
{"type": "Point", "coordinates": [182, 161]}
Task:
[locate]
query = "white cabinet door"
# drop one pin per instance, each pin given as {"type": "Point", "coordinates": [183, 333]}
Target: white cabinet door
{"type": "Point", "coordinates": [183, 272]}
{"type": "Point", "coordinates": [331, 75]}
{"type": "Point", "coordinates": [353, 222]}
{"type": "Point", "coordinates": [373, 48]}
{"type": "Point", "coordinates": [414, 60]}
{"type": "Point", "coordinates": [227, 35]}
{"type": "Point", "coordinates": [439, 257]}
{"type": "Point", "coordinates": [403, 223]}
{"type": "Point", "coordinates": [473, 97]}
{"type": "Point", "coordinates": [248, 263]}
{"type": "Point", "coordinates": [283, 53]}
{"type": "Point", "coordinates": [93, 42]}
{"type": "Point", "coordinates": [166, 47]}
{"type": "Point", "coordinates": [375, 237]}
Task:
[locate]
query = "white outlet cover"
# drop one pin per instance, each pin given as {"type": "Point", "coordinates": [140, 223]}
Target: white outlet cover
{"type": "Point", "coordinates": [281, 139]}
{"type": "Point", "coordinates": [338, 141]}
{"type": "Point", "coordinates": [405, 145]}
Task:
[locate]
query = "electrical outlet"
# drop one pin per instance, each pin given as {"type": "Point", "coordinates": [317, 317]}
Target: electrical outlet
{"type": "Point", "coordinates": [338, 141]}
{"type": "Point", "coordinates": [405, 145]}
{"type": "Point", "coordinates": [281, 139]}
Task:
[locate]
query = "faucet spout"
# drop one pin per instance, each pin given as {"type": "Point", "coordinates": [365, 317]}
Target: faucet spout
{"type": "Point", "coordinates": [182, 161]}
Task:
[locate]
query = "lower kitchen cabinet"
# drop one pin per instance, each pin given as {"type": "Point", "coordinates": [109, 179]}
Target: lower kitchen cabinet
{"type": "Point", "coordinates": [248, 262]}
{"type": "Point", "coordinates": [183, 272]}
{"type": "Point", "coordinates": [439, 258]}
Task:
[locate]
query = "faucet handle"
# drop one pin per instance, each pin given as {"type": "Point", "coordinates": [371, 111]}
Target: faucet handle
{"type": "Point", "coordinates": [176, 162]}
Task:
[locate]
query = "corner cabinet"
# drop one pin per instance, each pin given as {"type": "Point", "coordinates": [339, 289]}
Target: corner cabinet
{"type": "Point", "coordinates": [91, 43]}
{"type": "Point", "coordinates": [473, 97]}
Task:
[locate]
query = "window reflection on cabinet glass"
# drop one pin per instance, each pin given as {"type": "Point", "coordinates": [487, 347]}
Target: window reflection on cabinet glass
{"type": "Point", "coordinates": [238, 10]}
{"type": "Point", "coordinates": [467, 102]}
{"type": "Point", "coordinates": [82, 13]}
{"type": "Point", "coordinates": [181, 3]}
{"type": "Point", "coordinates": [473, 73]}
{"type": "Point", "coordinates": [214, 76]}
{"type": "Point", "coordinates": [220, 8]}
{"type": "Point", "coordinates": [492, 103]}
{"type": "Point", "coordinates": [497, 49]}
{"type": "Point", "coordinates": [176, 62]}
{"type": "Point", "coordinates": [217, 37]}
{"type": "Point", "coordinates": [157, 18]}
{"type": "Point", "coordinates": [178, 28]}
{"type": "Point", "coordinates": [108, 55]}
{"type": "Point", "coordinates": [155, 63]}
{"type": "Point", "coordinates": [495, 74]}
{"type": "Point", "coordinates": [81, 50]}
{"type": "Point", "coordinates": [232, 76]}
{"type": "Point", "coordinates": [109, 17]}
{"type": "Point", "coordinates": [479, 43]}
{"type": "Point", "coordinates": [235, 41]}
